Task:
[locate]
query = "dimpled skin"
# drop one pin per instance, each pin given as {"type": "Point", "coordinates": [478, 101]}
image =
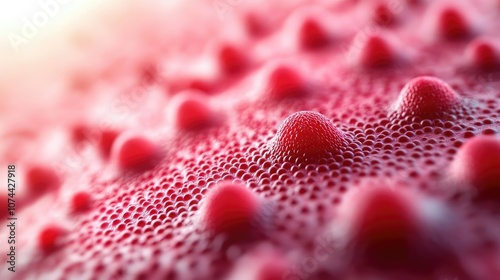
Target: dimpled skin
{"type": "Point", "coordinates": [346, 171]}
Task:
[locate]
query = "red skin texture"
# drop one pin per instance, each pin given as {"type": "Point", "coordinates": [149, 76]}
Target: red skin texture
{"type": "Point", "coordinates": [293, 130]}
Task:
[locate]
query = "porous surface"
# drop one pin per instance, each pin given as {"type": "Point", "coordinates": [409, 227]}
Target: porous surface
{"type": "Point", "coordinates": [149, 224]}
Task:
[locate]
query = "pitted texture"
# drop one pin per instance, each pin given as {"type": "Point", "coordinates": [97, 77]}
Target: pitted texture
{"type": "Point", "coordinates": [299, 157]}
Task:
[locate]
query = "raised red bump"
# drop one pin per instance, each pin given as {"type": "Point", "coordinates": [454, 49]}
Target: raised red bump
{"type": "Point", "coordinates": [134, 152]}
{"type": "Point", "coordinates": [306, 135]}
{"type": "Point", "coordinates": [426, 97]}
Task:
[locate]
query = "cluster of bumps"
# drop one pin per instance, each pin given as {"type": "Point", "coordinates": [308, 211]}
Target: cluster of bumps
{"type": "Point", "coordinates": [376, 162]}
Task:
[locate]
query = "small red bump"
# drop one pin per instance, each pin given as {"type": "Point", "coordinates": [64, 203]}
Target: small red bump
{"type": "Point", "coordinates": [376, 53]}
{"type": "Point", "coordinates": [190, 111]}
{"type": "Point", "coordinates": [106, 140]}
{"type": "Point", "coordinates": [387, 229]}
{"type": "Point", "coordinates": [483, 55]}
{"type": "Point", "coordinates": [308, 135]}
{"type": "Point", "coordinates": [50, 238]}
{"type": "Point", "coordinates": [134, 152]}
{"type": "Point", "coordinates": [231, 59]}
{"type": "Point", "coordinates": [383, 15]}
{"type": "Point", "coordinates": [231, 209]}
{"type": "Point", "coordinates": [478, 164]}
{"type": "Point", "coordinates": [79, 134]}
{"type": "Point", "coordinates": [426, 97]}
{"type": "Point", "coordinates": [81, 202]}
{"type": "Point", "coordinates": [385, 224]}
{"type": "Point", "coordinates": [452, 24]}
{"type": "Point", "coordinates": [312, 34]}
{"type": "Point", "coordinates": [283, 82]}
{"type": "Point", "coordinates": [40, 179]}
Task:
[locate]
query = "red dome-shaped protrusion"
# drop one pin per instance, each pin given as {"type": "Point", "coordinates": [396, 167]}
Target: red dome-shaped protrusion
{"type": "Point", "coordinates": [483, 55]}
{"type": "Point", "coordinates": [385, 226]}
{"type": "Point", "coordinates": [388, 229]}
{"type": "Point", "coordinates": [376, 52]}
{"type": "Point", "coordinates": [50, 238]}
{"type": "Point", "coordinates": [426, 97]}
{"type": "Point", "coordinates": [231, 59]}
{"type": "Point", "coordinates": [105, 142]}
{"type": "Point", "coordinates": [81, 201]}
{"type": "Point", "coordinates": [477, 163]}
{"type": "Point", "coordinates": [134, 152]}
{"type": "Point", "coordinates": [306, 135]}
{"type": "Point", "coordinates": [254, 24]}
{"type": "Point", "coordinates": [190, 110]}
{"type": "Point", "coordinates": [312, 34]}
{"type": "Point", "coordinates": [452, 24]}
{"type": "Point", "coordinates": [231, 209]}
{"type": "Point", "coordinates": [41, 179]}
{"type": "Point", "coordinates": [79, 134]}
{"type": "Point", "coordinates": [283, 81]}
{"type": "Point", "coordinates": [382, 15]}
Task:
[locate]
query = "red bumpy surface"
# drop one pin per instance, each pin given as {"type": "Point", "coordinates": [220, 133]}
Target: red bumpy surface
{"type": "Point", "coordinates": [357, 142]}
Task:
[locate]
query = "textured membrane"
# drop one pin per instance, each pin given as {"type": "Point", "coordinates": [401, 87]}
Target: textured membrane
{"type": "Point", "coordinates": [272, 158]}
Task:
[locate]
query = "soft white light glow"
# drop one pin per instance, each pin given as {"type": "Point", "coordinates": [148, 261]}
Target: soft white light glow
{"type": "Point", "coordinates": [12, 11]}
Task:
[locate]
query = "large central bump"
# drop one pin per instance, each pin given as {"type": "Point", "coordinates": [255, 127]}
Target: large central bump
{"type": "Point", "coordinates": [306, 135]}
